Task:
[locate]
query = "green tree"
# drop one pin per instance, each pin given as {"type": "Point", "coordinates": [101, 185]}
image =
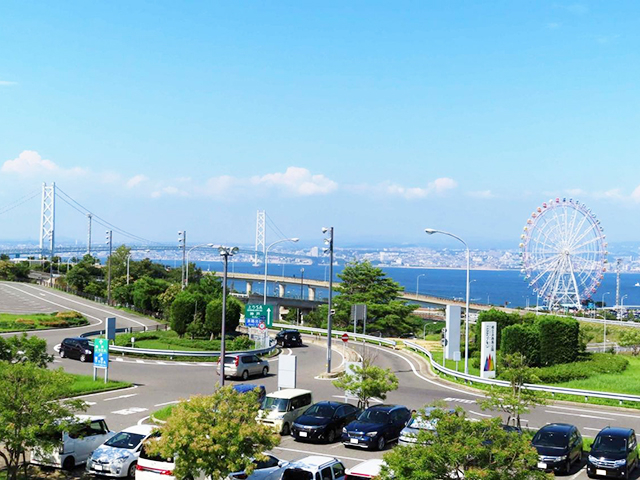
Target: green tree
{"type": "Point", "coordinates": [630, 339]}
{"type": "Point", "coordinates": [14, 271]}
{"type": "Point", "coordinates": [213, 317]}
{"type": "Point", "coordinates": [214, 435]}
{"type": "Point", "coordinates": [146, 293]}
{"type": "Point", "coordinates": [24, 348]}
{"type": "Point", "coordinates": [30, 411]}
{"type": "Point", "coordinates": [367, 382]}
{"type": "Point", "coordinates": [183, 311]}
{"type": "Point", "coordinates": [514, 400]}
{"type": "Point", "coordinates": [460, 449]}
{"type": "Point", "coordinates": [364, 283]}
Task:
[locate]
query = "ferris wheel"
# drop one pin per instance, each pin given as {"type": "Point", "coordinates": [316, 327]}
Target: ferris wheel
{"type": "Point", "coordinates": [563, 252]}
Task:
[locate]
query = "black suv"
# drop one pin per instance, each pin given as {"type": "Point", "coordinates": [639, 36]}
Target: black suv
{"type": "Point", "coordinates": [289, 338]}
{"type": "Point", "coordinates": [376, 426]}
{"type": "Point", "coordinates": [559, 445]}
{"type": "Point", "coordinates": [77, 347]}
{"type": "Point", "coordinates": [614, 453]}
{"type": "Point", "coordinates": [324, 421]}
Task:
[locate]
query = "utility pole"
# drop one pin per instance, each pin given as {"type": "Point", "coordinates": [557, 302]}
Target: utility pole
{"type": "Point", "coordinates": [329, 249]}
{"type": "Point", "coordinates": [618, 264]}
{"type": "Point", "coordinates": [182, 243]}
{"type": "Point", "coordinates": [89, 217]}
{"type": "Point", "coordinates": [109, 237]}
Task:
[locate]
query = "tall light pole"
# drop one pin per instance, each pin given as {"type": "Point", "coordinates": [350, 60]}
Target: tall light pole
{"type": "Point", "coordinates": [329, 249]}
{"type": "Point", "coordinates": [418, 284]}
{"type": "Point", "coordinates": [225, 253]}
{"type": "Point", "coordinates": [109, 238]}
{"type": "Point", "coordinates": [431, 231]}
{"type": "Point", "coordinates": [266, 263]}
{"type": "Point", "coordinates": [622, 305]}
{"type": "Point", "coordinates": [182, 244]}
{"type": "Point", "coordinates": [604, 321]}
{"type": "Point", "coordinates": [186, 276]}
{"type": "Point", "coordinates": [302, 283]}
{"type": "Point", "coordinates": [128, 259]}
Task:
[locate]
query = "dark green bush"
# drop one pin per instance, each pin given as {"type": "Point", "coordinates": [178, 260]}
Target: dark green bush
{"type": "Point", "coordinates": [502, 319]}
{"type": "Point", "coordinates": [559, 342]}
{"type": "Point", "coordinates": [592, 364]}
{"type": "Point", "coordinates": [523, 339]}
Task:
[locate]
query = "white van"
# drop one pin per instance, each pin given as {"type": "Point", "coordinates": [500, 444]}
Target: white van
{"type": "Point", "coordinates": [77, 447]}
{"type": "Point", "coordinates": [280, 409]}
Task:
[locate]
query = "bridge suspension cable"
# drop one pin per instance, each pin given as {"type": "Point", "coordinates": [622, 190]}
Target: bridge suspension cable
{"type": "Point", "coordinates": [19, 201]}
{"type": "Point", "coordinates": [66, 198]}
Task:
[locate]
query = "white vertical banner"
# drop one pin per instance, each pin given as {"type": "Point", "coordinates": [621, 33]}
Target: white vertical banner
{"type": "Point", "coordinates": [488, 350]}
{"type": "Point", "coordinates": [452, 335]}
{"type": "Point", "coordinates": [287, 371]}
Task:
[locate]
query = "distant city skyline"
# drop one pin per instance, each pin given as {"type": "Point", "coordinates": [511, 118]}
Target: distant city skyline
{"type": "Point", "coordinates": [377, 118]}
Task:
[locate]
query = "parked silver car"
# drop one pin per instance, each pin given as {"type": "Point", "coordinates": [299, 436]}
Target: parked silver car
{"type": "Point", "coordinates": [244, 365]}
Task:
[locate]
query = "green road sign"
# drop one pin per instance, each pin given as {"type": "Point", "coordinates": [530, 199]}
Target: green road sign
{"type": "Point", "coordinates": [101, 353]}
{"type": "Point", "coordinates": [255, 314]}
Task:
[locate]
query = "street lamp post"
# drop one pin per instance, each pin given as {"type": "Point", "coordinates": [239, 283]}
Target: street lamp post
{"type": "Point", "coordinates": [431, 231]}
{"type": "Point", "coordinates": [186, 276]}
{"type": "Point", "coordinates": [604, 321]}
{"type": "Point", "coordinates": [225, 253]}
{"type": "Point", "coordinates": [266, 263]}
{"type": "Point", "coordinates": [418, 284]}
{"type": "Point", "coordinates": [128, 260]}
{"type": "Point", "coordinates": [302, 283]}
{"type": "Point", "coordinates": [182, 244]}
{"type": "Point", "coordinates": [109, 237]}
{"type": "Point", "coordinates": [329, 249]}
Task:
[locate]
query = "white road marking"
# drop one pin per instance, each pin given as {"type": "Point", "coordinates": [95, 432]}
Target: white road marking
{"type": "Point", "coordinates": [139, 361]}
{"type": "Point", "coordinates": [162, 363]}
{"type": "Point", "coordinates": [121, 396]}
{"type": "Point", "coordinates": [306, 452]}
{"type": "Point", "coordinates": [480, 414]}
{"type": "Point", "coordinates": [90, 403]}
{"type": "Point", "coordinates": [119, 359]}
{"type": "Point", "coordinates": [557, 407]}
{"type": "Point", "coordinates": [594, 429]}
{"type": "Point", "coordinates": [142, 420]}
{"type": "Point", "coordinates": [459, 400]}
{"type": "Point", "coordinates": [130, 411]}
{"type": "Point", "coordinates": [167, 403]}
{"type": "Point", "coordinates": [575, 475]}
{"type": "Point", "coordinates": [100, 393]}
{"type": "Point", "coordinates": [43, 294]}
{"type": "Point", "coordinates": [579, 415]}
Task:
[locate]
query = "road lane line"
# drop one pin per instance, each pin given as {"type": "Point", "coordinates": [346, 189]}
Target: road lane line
{"type": "Point", "coordinates": [558, 407]}
{"type": "Point", "coordinates": [481, 414]}
{"type": "Point", "coordinates": [167, 403]}
{"type": "Point", "coordinates": [307, 452]}
{"type": "Point", "coordinates": [121, 396]}
{"type": "Point", "coordinates": [579, 415]}
{"type": "Point", "coordinates": [142, 420]}
{"type": "Point", "coordinates": [594, 429]}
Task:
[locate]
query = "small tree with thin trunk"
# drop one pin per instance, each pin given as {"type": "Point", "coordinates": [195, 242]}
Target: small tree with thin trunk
{"type": "Point", "coordinates": [367, 382]}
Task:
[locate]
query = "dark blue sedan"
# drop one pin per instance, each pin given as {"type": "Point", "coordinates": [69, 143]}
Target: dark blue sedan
{"type": "Point", "coordinates": [376, 426]}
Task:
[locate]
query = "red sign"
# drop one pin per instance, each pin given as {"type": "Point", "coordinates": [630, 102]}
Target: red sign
{"type": "Point", "coordinates": [262, 326]}
{"type": "Point", "coordinates": [345, 337]}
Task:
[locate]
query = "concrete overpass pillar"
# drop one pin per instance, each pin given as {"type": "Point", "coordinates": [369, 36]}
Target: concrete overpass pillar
{"type": "Point", "coordinates": [312, 293]}
{"type": "Point", "coordinates": [281, 288]}
{"type": "Point", "coordinates": [249, 288]}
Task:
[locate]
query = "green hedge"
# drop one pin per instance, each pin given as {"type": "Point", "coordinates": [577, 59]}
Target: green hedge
{"type": "Point", "coordinates": [592, 364]}
{"type": "Point", "coordinates": [558, 340]}
{"type": "Point", "coordinates": [524, 339]}
{"type": "Point", "coordinates": [502, 320]}
{"type": "Point", "coordinates": [170, 338]}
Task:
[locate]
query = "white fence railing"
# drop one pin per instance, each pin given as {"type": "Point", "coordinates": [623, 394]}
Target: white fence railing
{"type": "Point", "coordinates": [339, 333]}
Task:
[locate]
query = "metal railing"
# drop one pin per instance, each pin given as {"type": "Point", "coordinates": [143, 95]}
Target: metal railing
{"type": "Point", "coordinates": [339, 333]}
{"type": "Point", "coordinates": [529, 386]}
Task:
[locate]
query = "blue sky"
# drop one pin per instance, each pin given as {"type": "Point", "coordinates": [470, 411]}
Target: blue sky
{"type": "Point", "coordinates": [379, 118]}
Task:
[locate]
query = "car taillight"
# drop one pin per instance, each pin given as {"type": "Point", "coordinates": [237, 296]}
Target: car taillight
{"type": "Point", "coordinates": [241, 476]}
{"type": "Point", "coordinates": [237, 361]}
{"type": "Point", "coordinates": [154, 470]}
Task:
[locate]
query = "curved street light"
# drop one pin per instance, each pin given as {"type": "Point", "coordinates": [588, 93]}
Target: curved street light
{"type": "Point", "coordinates": [225, 253]}
{"type": "Point", "coordinates": [266, 263]}
{"type": "Point", "coordinates": [186, 276]}
{"type": "Point", "coordinates": [431, 231]}
{"type": "Point", "coordinates": [604, 321]}
{"type": "Point", "coordinates": [418, 284]}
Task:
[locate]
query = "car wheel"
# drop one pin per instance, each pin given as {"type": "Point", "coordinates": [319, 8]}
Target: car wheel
{"type": "Point", "coordinates": [567, 467]}
{"type": "Point", "coordinates": [83, 358]}
{"type": "Point", "coordinates": [68, 464]}
{"type": "Point", "coordinates": [380, 444]}
{"type": "Point", "coordinates": [265, 371]}
{"type": "Point", "coordinates": [245, 374]}
{"type": "Point", "coordinates": [285, 430]}
{"type": "Point", "coordinates": [626, 473]}
{"type": "Point", "coordinates": [331, 436]}
{"type": "Point", "coordinates": [132, 470]}
{"type": "Point", "coordinates": [62, 354]}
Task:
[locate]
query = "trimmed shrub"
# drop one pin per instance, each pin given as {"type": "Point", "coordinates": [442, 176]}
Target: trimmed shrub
{"type": "Point", "coordinates": [523, 339]}
{"type": "Point", "coordinates": [502, 319]}
{"type": "Point", "coordinates": [593, 364]}
{"type": "Point", "coordinates": [559, 341]}
{"type": "Point", "coordinates": [69, 315]}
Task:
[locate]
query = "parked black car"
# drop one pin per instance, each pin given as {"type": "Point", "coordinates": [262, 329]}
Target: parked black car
{"type": "Point", "coordinates": [77, 347]}
{"type": "Point", "coordinates": [289, 338]}
{"type": "Point", "coordinates": [614, 453]}
{"type": "Point", "coordinates": [323, 421]}
{"type": "Point", "coordinates": [376, 426]}
{"type": "Point", "coordinates": [559, 445]}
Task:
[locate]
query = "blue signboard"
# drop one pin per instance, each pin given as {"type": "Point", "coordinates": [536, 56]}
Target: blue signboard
{"type": "Point", "coordinates": [101, 353]}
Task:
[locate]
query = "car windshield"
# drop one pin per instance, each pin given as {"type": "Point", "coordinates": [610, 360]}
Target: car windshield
{"type": "Point", "coordinates": [422, 423]}
{"type": "Point", "coordinates": [297, 474]}
{"type": "Point", "coordinates": [125, 440]}
{"type": "Point", "coordinates": [373, 416]}
{"type": "Point", "coordinates": [323, 411]}
{"type": "Point", "coordinates": [550, 439]}
{"type": "Point", "coordinates": [277, 404]}
{"type": "Point", "coordinates": [607, 443]}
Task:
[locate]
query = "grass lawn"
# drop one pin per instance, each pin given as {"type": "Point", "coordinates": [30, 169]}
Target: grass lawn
{"type": "Point", "coordinates": [10, 322]}
{"type": "Point", "coordinates": [84, 384]}
{"type": "Point", "coordinates": [163, 413]}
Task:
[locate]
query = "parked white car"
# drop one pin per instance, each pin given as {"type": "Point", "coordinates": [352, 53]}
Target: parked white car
{"type": "Point", "coordinates": [118, 456]}
{"type": "Point", "coordinates": [314, 467]}
{"type": "Point", "coordinates": [263, 469]}
{"type": "Point", "coordinates": [75, 448]}
{"type": "Point", "coordinates": [152, 467]}
{"type": "Point", "coordinates": [365, 470]}
{"type": "Point", "coordinates": [280, 409]}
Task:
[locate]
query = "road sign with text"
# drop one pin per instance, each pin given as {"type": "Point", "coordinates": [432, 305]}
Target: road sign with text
{"type": "Point", "coordinates": [255, 314]}
{"type": "Point", "coordinates": [101, 353]}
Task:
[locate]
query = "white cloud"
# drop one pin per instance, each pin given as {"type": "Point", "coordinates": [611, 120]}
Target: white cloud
{"type": "Point", "coordinates": [136, 180]}
{"type": "Point", "coordinates": [29, 162]}
{"type": "Point", "coordinates": [482, 194]}
{"type": "Point", "coordinates": [169, 190]}
{"type": "Point", "coordinates": [297, 181]}
{"type": "Point", "coordinates": [441, 185]}
{"type": "Point", "coordinates": [4, 83]}
{"type": "Point", "coordinates": [438, 186]}
{"type": "Point", "coordinates": [635, 195]}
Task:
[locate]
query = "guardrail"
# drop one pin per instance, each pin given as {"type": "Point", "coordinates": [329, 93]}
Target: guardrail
{"type": "Point", "coordinates": [339, 333]}
{"type": "Point", "coordinates": [529, 386]}
{"type": "Point", "coordinates": [173, 353]}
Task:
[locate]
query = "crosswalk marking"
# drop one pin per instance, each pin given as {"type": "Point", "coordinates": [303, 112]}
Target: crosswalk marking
{"type": "Point", "coordinates": [130, 411]}
{"type": "Point", "coordinates": [459, 400]}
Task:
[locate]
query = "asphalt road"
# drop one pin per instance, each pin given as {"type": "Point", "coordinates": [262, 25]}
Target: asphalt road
{"type": "Point", "coordinates": [160, 383]}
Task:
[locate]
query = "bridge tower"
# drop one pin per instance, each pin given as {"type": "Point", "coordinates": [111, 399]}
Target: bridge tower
{"type": "Point", "coordinates": [260, 234]}
{"type": "Point", "coordinates": [48, 218]}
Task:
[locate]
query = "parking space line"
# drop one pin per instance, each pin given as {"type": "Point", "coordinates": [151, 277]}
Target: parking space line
{"type": "Point", "coordinates": [579, 415]}
{"type": "Point", "coordinates": [307, 452]}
